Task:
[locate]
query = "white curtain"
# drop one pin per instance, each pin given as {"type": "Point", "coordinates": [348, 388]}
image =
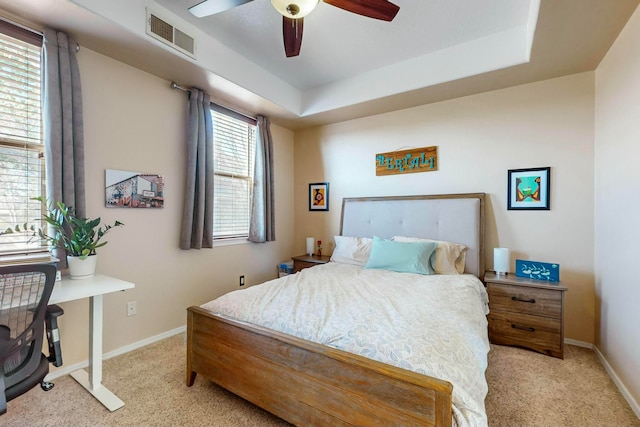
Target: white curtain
{"type": "Point", "coordinates": [262, 225]}
{"type": "Point", "coordinates": [197, 218]}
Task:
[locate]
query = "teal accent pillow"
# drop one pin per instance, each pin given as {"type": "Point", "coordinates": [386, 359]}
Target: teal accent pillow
{"type": "Point", "coordinates": [403, 257]}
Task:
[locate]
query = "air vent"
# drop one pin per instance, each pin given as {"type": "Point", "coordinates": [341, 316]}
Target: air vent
{"type": "Point", "coordinates": [168, 34]}
{"type": "Point", "coordinates": [183, 41]}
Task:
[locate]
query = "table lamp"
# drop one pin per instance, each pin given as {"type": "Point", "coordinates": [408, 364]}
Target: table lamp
{"type": "Point", "coordinates": [501, 261]}
{"type": "Point", "coordinates": [310, 245]}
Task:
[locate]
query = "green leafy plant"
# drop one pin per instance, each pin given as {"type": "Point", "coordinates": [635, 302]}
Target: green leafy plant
{"type": "Point", "coordinates": [80, 237]}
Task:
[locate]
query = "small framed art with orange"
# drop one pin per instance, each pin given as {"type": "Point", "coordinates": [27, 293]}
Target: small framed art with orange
{"type": "Point", "coordinates": [319, 196]}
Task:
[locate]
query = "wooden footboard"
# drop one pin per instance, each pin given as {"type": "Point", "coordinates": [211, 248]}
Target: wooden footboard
{"type": "Point", "coordinates": [307, 383]}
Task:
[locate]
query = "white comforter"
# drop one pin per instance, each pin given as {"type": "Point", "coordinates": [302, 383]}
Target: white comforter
{"type": "Point", "coordinates": [434, 325]}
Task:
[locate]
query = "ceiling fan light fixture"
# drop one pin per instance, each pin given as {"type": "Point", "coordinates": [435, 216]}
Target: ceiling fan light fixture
{"type": "Point", "coordinates": [294, 8]}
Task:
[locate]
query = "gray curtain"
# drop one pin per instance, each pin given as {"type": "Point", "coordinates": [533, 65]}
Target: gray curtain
{"type": "Point", "coordinates": [262, 225]}
{"type": "Point", "coordinates": [197, 218]}
{"type": "Point", "coordinates": [62, 123]}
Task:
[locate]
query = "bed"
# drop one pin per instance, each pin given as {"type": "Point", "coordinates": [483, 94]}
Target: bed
{"type": "Point", "coordinates": [311, 383]}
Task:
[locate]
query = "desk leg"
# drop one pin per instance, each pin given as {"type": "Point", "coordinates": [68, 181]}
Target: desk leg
{"type": "Point", "coordinates": [95, 342]}
{"type": "Point", "coordinates": [92, 380]}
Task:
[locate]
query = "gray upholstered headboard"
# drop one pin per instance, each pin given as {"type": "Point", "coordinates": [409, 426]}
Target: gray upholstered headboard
{"type": "Point", "coordinates": [455, 218]}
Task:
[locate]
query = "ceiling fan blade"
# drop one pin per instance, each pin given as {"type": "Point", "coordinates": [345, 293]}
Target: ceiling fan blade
{"type": "Point", "coordinates": [292, 35]}
{"type": "Point", "coordinates": [211, 7]}
{"type": "Point", "coordinates": [377, 9]}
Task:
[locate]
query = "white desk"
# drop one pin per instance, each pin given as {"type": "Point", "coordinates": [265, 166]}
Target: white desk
{"type": "Point", "coordinates": [93, 288]}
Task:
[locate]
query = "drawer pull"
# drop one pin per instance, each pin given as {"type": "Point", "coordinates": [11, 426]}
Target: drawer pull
{"type": "Point", "coordinates": [531, 301]}
{"type": "Point", "coordinates": [524, 328]}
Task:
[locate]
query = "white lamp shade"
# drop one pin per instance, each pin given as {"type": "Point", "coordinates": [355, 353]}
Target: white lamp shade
{"type": "Point", "coordinates": [294, 8]}
{"type": "Point", "coordinates": [310, 243]}
{"type": "Point", "coordinates": [501, 260]}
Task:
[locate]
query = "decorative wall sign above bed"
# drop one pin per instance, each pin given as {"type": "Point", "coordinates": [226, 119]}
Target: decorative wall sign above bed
{"type": "Point", "coordinates": [407, 161]}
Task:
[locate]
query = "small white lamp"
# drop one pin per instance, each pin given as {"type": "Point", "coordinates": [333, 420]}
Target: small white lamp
{"type": "Point", "coordinates": [310, 245]}
{"type": "Point", "coordinates": [501, 261]}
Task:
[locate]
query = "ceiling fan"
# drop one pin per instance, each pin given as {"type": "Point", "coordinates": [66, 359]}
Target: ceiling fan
{"type": "Point", "coordinates": [294, 11]}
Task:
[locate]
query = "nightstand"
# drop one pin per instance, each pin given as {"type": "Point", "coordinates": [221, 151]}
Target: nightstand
{"type": "Point", "coordinates": [305, 261]}
{"type": "Point", "coordinates": [526, 313]}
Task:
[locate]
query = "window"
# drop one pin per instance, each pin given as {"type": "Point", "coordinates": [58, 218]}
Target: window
{"type": "Point", "coordinates": [21, 147]}
{"type": "Point", "coordinates": [234, 140]}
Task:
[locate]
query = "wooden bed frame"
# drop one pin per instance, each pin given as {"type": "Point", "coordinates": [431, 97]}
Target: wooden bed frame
{"type": "Point", "coordinates": [306, 383]}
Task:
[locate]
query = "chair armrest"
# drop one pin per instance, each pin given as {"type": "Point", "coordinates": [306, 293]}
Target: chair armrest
{"type": "Point", "coordinates": [53, 333]}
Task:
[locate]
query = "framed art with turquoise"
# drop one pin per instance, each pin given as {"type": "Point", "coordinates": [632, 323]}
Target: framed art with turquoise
{"type": "Point", "coordinates": [528, 189]}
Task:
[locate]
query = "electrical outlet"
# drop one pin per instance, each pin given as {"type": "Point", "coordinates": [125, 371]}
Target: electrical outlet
{"type": "Point", "coordinates": [131, 308]}
{"type": "Point", "coordinates": [242, 280]}
{"type": "Point", "coordinates": [58, 276]}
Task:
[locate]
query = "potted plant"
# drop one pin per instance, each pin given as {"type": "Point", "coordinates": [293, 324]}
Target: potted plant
{"type": "Point", "coordinates": [80, 237]}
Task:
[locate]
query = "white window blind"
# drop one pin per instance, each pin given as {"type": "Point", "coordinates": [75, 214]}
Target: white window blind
{"type": "Point", "coordinates": [21, 148]}
{"type": "Point", "coordinates": [234, 139]}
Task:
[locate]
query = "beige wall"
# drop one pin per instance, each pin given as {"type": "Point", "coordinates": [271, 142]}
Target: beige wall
{"type": "Point", "coordinates": [617, 207]}
{"type": "Point", "coordinates": [134, 121]}
{"type": "Point", "coordinates": [479, 138]}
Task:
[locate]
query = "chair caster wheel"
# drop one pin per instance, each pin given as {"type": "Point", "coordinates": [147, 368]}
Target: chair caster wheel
{"type": "Point", "coordinates": [46, 385]}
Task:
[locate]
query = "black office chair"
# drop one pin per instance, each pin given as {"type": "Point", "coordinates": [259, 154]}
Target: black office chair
{"type": "Point", "coordinates": [24, 295]}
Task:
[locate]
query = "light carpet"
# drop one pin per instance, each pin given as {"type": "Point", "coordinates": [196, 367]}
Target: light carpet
{"type": "Point", "coordinates": [525, 389]}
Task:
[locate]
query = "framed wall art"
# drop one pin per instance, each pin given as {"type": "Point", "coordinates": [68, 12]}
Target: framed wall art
{"type": "Point", "coordinates": [125, 189]}
{"type": "Point", "coordinates": [319, 196]}
{"type": "Point", "coordinates": [528, 189]}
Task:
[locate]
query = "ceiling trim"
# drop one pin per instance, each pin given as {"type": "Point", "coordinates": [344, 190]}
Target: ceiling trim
{"type": "Point", "coordinates": [479, 56]}
{"type": "Point", "coordinates": [532, 23]}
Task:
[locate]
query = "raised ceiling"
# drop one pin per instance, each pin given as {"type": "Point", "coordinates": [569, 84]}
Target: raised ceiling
{"type": "Point", "coordinates": [349, 66]}
{"type": "Point", "coordinates": [339, 45]}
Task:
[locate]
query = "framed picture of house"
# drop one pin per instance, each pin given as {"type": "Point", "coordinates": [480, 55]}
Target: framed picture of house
{"type": "Point", "coordinates": [319, 196]}
{"type": "Point", "coordinates": [528, 189]}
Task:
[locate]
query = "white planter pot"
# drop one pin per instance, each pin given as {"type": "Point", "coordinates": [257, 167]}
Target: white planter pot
{"type": "Point", "coordinates": [82, 268]}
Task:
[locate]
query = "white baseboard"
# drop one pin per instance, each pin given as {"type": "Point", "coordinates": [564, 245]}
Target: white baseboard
{"type": "Point", "coordinates": [144, 342]}
{"type": "Point", "coordinates": [625, 392]}
{"type": "Point", "coordinates": [579, 343]}
{"type": "Point", "coordinates": [607, 367]}
{"type": "Point", "coordinates": [67, 369]}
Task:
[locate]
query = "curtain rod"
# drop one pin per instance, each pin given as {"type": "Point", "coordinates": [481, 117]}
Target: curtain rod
{"type": "Point", "coordinates": [236, 110]}
{"type": "Point", "coordinates": [175, 85]}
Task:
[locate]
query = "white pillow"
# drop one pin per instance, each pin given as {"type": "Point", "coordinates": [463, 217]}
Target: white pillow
{"type": "Point", "coordinates": [352, 250]}
{"type": "Point", "coordinates": [449, 257]}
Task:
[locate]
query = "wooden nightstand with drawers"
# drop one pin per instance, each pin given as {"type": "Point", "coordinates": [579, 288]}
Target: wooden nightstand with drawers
{"type": "Point", "coordinates": [526, 313]}
{"type": "Point", "coordinates": [305, 261]}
